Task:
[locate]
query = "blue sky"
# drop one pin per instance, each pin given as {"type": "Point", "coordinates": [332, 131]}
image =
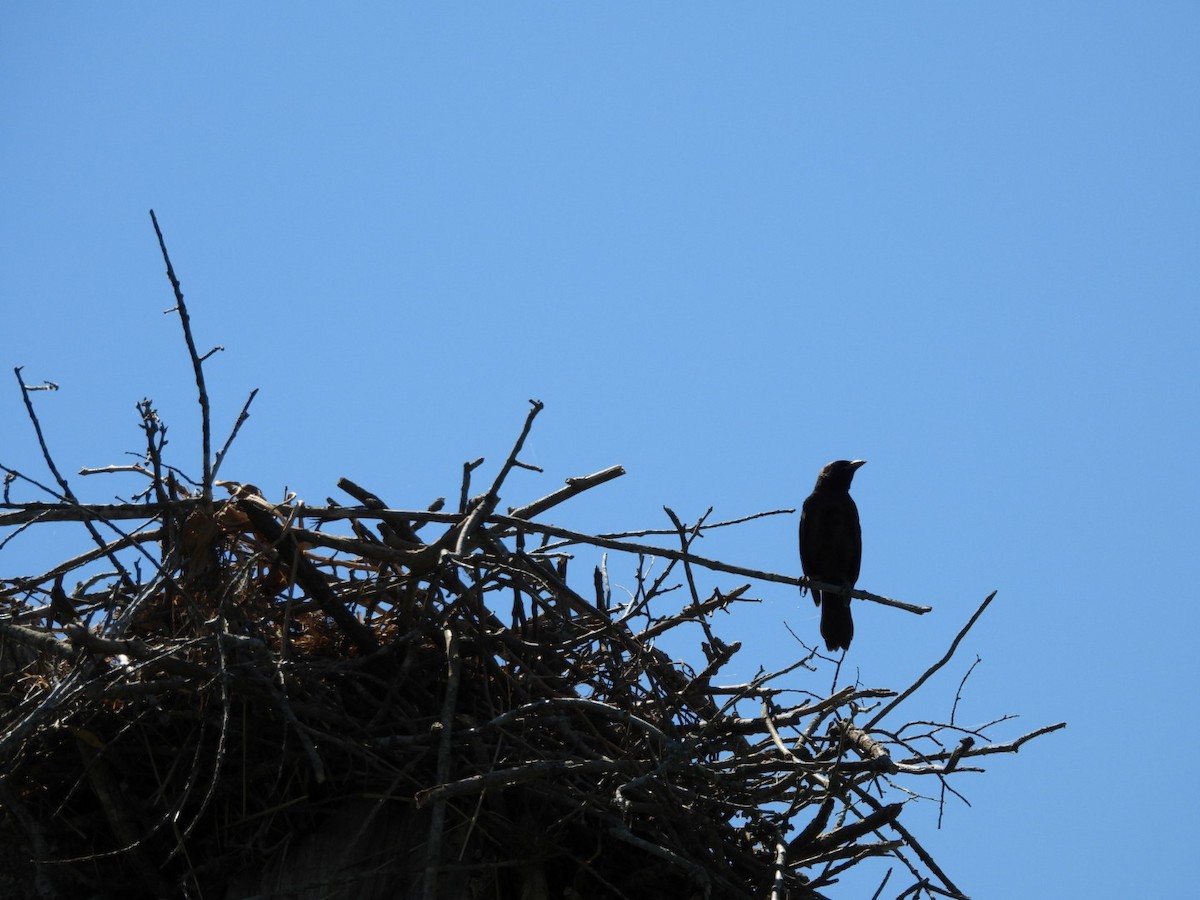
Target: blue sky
{"type": "Point", "coordinates": [724, 245]}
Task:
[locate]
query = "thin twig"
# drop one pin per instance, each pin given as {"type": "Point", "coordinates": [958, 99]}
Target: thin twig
{"type": "Point", "coordinates": [484, 508]}
{"type": "Point", "coordinates": [197, 366]}
{"type": "Point", "coordinates": [878, 717]}
{"type": "Point", "coordinates": [574, 487]}
{"type": "Point", "coordinates": [437, 824]}
{"type": "Point", "coordinates": [241, 420]}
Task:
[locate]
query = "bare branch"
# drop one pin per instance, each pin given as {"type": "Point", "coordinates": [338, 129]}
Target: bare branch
{"type": "Point", "coordinates": [878, 717]}
{"type": "Point", "coordinates": [574, 487]}
{"type": "Point", "coordinates": [197, 365]}
{"type": "Point", "coordinates": [241, 420]}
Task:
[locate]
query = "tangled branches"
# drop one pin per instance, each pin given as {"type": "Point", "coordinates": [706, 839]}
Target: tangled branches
{"type": "Point", "coordinates": [242, 698]}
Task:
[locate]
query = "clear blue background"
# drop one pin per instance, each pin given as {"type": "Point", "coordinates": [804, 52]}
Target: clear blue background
{"type": "Point", "coordinates": [725, 244]}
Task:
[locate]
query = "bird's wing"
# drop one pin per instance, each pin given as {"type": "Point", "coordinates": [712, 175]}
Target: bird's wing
{"type": "Point", "coordinates": [830, 539]}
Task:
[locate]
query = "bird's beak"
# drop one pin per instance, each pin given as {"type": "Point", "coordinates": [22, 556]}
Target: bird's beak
{"type": "Point", "coordinates": [856, 464]}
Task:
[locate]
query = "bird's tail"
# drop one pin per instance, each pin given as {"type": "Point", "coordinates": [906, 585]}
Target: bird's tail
{"type": "Point", "coordinates": [837, 627]}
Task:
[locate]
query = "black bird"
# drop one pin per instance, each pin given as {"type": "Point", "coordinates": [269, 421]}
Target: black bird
{"type": "Point", "coordinates": [831, 547]}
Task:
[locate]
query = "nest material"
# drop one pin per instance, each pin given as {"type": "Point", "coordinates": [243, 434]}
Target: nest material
{"type": "Point", "coordinates": [283, 711]}
{"type": "Point", "coordinates": [235, 701]}
{"type": "Point", "coordinates": [264, 716]}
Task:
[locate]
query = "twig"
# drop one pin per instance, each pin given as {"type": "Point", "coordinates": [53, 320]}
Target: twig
{"type": "Point", "coordinates": [961, 684]}
{"type": "Point", "coordinates": [144, 537]}
{"type": "Point", "coordinates": [911, 842]}
{"type": "Point", "coordinates": [67, 493]}
{"type": "Point", "coordinates": [468, 468]}
{"type": "Point", "coordinates": [781, 870]}
{"type": "Point", "coordinates": [696, 610]}
{"type": "Point", "coordinates": [241, 420]}
{"type": "Point", "coordinates": [197, 365]}
{"type": "Point", "coordinates": [83, 512]}
{"type": "Point", "coordinates": [693, 559]}
{"type": "Point", "coordinates": [1012, 746]}
{"type": "Point", "coordinates": [879, 890]}
{"type": "Point", "coordinates": [574, 487]}
{"type": "Point", "coordinates": [487, 504]}
{"type": "Point", "coordinates": [41, 438]}
{"type": "Point", "coordinates": [501, 525]}
{"type": "Point", "coordinates": [157, 659]}
{"type": "Point", "coordinates": [433, 852]}
{"type": "Point", "coordinates": [544, 770]}
{"type": "Point", "coordinates": [878, 717]}
{"type": "Point", "coordinates": [708, 526]}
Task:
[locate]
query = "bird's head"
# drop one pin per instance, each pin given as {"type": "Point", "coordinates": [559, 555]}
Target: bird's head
{"type": "Point", "coordinates": [838, 474]}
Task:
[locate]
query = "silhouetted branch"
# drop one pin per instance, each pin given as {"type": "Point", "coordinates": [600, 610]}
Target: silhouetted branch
{"type": "Point", "coordinates": [197, 365]}
{"type": "Point", "coordinates": [909, 691]}
{"type": "Point", "coordinates": [237, 426]}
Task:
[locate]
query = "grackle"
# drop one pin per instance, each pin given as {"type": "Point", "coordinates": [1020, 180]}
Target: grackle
{"type": "Point", "coordinates": [831, 548]}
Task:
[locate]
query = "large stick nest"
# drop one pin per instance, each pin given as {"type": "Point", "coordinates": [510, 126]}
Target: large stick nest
{"type": "Point", "coordinates": [239, 698]}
